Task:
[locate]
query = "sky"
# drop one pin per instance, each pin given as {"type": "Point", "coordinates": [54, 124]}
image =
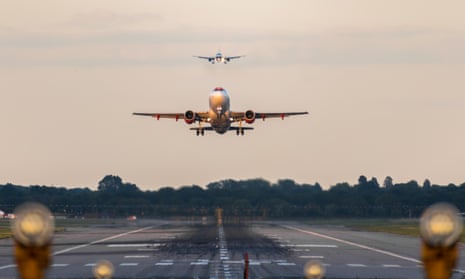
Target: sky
{"type": "Point", "coordinates": [383, 81]}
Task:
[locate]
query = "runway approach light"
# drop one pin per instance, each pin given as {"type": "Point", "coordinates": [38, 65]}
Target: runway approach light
{"type": "Point", "coordinates": [32, 232]}
{"type": "Point", "coordinates": [103, 270]}
{"type": "Point", "coordinates": [314, 270]}
{"type": "Point", "coordinates": [440, 230]}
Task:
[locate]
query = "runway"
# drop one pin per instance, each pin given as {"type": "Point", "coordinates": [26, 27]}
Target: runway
{"type": "Point", "coordinates": [168, 249]}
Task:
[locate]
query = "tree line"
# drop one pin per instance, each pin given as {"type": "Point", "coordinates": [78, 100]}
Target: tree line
{"type": "Point", "coordinates": [253, 197]}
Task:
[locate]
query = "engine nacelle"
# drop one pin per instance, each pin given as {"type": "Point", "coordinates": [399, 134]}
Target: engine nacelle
{"type": "Point", "coordinates": [190, 116]}
{"type": "Point", "coordinates": [249, 116]}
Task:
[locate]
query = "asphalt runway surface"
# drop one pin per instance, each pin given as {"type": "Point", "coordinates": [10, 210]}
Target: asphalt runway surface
{"type": "Point", "coordinates": [169, 249]}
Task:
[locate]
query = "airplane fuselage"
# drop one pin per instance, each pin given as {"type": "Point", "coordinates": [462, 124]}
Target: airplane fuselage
{"type": "Point", "coordinates": [219, 113]}
{"type": "Point", "coordinates": [219, 58]}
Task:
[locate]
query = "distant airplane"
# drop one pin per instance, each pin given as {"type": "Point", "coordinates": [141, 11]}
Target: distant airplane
{"type": "Point", "coordinates": [219, 58]}
{"type": "Point", "coordinates": [219, 116]}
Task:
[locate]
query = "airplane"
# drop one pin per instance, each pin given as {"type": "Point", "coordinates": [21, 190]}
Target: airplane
{"type": "Point", "coordinates": [219, 58]}
{"type": "Point", "coordinates": [219, 116]}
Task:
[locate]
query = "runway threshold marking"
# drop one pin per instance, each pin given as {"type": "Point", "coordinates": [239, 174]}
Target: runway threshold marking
{"type": "Point", "coordinates": [99, 241]}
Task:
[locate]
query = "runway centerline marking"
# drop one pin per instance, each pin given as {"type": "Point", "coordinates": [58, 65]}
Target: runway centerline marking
{"type": "Point", "coordinates": [355, 244]}
{"type": "Point", "coordinates": [100, 240]}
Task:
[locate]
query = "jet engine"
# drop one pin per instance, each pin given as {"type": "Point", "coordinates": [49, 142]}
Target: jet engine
{"type": "Point", "coordinates": [190, 116]}
{"type": "Point", "coordinates": [249, 116]}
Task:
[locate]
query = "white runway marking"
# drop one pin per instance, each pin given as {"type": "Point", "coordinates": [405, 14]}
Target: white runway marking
{"type": "Point", "coordinates": [233, 262]}
{"type": "Point", "coordinates": [361, 246]}
{"type": "Point", "coordinates": [309, 245]}
{"type": "Point", "coordinates": [129, 264]}
{"type": "Point", "coordinates": [354, 244]}
{"type": "Point", "coordinates": [100, 240]}
{"type": "Point", "coordinates": [199, 263]}
{"type": "Point", "coordinates": [356, 265]}
{"type": "Point", "coordinates": [285, 264]}
{"type": "Point", "coordinates": [164, 263]}
{"type": "Point", "coordinates": [312, 257]}
{"type": "Point", "coordinates": [134, 245]}
{"type": "Point", "coordinates": [60, 265]}
{"type": "Point", "coordinates": [136, 256]}
{"type": "Point", "coordinates": [7, 266]}
{"type": "Point", "coordinates": [90, 264]}
{"type": "Point", "coordinates": [391, 265]}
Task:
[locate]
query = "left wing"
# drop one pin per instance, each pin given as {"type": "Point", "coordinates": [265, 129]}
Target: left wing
{"type": "Point", "coordinates": [241, 116]}
{"type": "Point", "coordinates": [233, 57]}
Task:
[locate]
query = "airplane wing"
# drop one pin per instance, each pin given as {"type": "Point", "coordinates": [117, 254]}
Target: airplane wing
{"type": "Point", "coordinates": [200, 116]}
{"type": "Point", "coordinates": [241, 116]}
{"type": "Point", "coordinates": [233, 57]}
{"type": "Point", "coordinates": [209, 58]}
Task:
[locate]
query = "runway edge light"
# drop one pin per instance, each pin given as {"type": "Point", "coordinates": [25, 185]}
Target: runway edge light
{"type": "Point", "coordinates": [314, 270]}
{"type": "Point", "coordinates": [440, 230]}
{"type": "Point", "coordinates": [32, 230]}
{"type": "Point", "coordinates": [103, 270]}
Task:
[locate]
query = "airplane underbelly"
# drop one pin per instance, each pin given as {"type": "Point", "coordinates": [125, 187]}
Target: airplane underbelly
{"type": "Point", "coordinates": [221, 123]}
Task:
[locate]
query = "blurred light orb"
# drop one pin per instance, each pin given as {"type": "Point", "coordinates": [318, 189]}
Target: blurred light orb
{"type": "Point", "coordinates": [314, 270]}
{"type": "Point", "coordinates": [33, 225]}
{"type": "Point", "coordinates": [103, 270]}
{"type": "Point", "coordinates": [441, 225]}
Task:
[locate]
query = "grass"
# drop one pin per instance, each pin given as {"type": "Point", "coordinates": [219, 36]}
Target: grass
{"type": "Point", "coordinates": [408, 227]}
{"type": "Point", "coordinates": [62, 224]}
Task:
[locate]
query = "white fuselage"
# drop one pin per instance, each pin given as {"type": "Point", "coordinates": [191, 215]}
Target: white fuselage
{"type": "Point", "coordinates": [219, 115]}
{"type": "Point", "coordinates": [219, 58]}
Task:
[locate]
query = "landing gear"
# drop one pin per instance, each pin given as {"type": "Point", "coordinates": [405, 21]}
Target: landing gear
{"type": "Point", "coordinates": [200, 130]}
{"type": "Point", "coordinates": [240, 131]}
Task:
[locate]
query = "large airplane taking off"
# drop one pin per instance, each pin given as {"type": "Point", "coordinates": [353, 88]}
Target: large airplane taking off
{"type": "Point", "coordinates": [219, 58]}
{"type": "Point", "coordinates": [219, 117]}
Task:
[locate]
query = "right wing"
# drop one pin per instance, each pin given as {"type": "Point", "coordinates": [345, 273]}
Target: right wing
{"type": "Point", "coordinates": [209, 58]}
{"type": "Point", "coordinates": [199, 116]}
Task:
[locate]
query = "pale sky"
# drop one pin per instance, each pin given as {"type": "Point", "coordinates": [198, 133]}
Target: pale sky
{"type": "Point", "coordinates": [384, 82]}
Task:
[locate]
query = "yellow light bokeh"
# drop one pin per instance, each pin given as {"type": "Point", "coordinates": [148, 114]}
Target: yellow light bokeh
{"type": "Point", "coordinates": [441, 224]}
